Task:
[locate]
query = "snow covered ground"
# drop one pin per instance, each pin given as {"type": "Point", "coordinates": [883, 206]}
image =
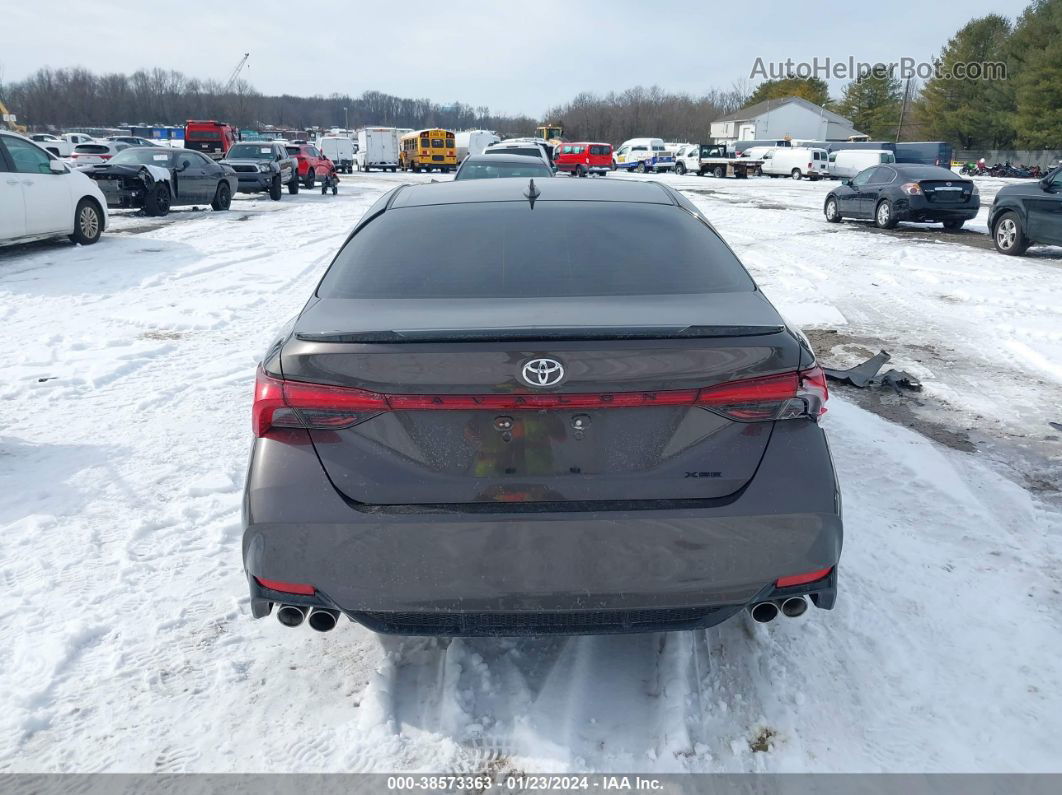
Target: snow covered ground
{"type": "Point", "coordinates": [128, 644]}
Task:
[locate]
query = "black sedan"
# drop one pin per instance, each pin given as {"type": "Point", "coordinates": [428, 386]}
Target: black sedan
{"type": "Point", "coordinates": [155, 178]}
{"type": "Point", "coordinates": [888, 194]}
{"type": "Point", "coordinates": [495, 166]}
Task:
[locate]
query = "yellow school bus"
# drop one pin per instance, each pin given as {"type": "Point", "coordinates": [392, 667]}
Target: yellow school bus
{"type": "Point", "coordinates": [423, 150]}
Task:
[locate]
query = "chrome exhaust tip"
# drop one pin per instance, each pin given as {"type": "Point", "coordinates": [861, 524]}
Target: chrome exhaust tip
{"type": "Point", "coordinates": [291, 615]}
{"type": "Point", "coordinates": [323, 620]}
{"type": "Point", "coordinates": [764, 612]}
{"type": "Point", "coordinates": [794, 606]}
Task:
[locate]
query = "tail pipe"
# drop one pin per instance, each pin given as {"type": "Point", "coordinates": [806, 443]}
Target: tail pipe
{"type": "Point", "coordinates": [764, 612]}
{"type": "Point", "coordinates": [794, 606]}
{"type": "Point", "coordinates": [291, 615]}
{"type": "Point", "coordinates": [323, 620]}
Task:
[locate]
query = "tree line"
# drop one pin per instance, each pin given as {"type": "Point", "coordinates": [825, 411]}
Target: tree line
{"type": "Point", "coordinates": [1024, 110]}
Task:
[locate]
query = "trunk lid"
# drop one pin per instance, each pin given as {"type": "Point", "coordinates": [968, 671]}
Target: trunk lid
{"type": "Point", "coordinates": [428, 347]}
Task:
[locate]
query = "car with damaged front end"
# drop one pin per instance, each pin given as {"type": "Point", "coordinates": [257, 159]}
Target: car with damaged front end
{"type": "Point", "coordinates": [563, 406]}
{"type": "Point", "coordinates": [155, 179]}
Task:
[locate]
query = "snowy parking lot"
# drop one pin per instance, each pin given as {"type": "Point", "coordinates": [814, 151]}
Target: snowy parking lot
{"type": "Point", "coordinates": [125, 431]}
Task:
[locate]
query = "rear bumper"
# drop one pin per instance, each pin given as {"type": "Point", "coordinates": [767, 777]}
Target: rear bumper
{"type": "Point", "coordinates": [918, 209]}
{"type": "Point", "coordinates": [500, 571]}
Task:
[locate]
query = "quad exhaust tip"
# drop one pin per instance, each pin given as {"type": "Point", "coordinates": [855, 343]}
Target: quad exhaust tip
{"type": "Point", "coordinates": [323, 620]}
{"type": "Point", "coordinates": [291, 615]}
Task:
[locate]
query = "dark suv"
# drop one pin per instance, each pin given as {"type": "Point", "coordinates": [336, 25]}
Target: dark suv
{"type": "Point", "coordinates": [561, 406]}
{"type": "Point", "coordinates": [1028, 213]}
{"type": "Point", "coordinates": [263, 166]}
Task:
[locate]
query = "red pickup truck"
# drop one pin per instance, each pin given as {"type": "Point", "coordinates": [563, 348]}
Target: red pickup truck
{"type": "Point", "coordinates": [212, 138]}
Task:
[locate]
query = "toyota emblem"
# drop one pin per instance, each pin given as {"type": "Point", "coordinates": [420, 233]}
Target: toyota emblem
{"type": "Point", "coordinates": [542, 372]}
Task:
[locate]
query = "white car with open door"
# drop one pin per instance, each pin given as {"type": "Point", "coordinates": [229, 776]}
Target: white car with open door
{"type": "Point", "coordinates": [42, 197]}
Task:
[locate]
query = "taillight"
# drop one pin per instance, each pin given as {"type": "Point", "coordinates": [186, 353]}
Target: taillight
{"type": "Point", "coordinates": [811, 166]}
{"type": "Point", "coordinates": [802, 579]}
{"type": "Point", "coordinates": [297, 404]}
{"type": "Point", "coordinates": [286, 587]}
{"type": "Point", "coordinates": [911, 188]}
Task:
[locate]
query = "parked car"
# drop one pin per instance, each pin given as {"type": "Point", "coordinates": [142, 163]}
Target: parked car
{"type": "Point", "coordinates": [340, 150]}
{"type": "Point", "coordinates": [643, 155]}
{"type": "Point", "coordinates": [560, 410]}
{"type": "Point", "coordinates": [796, 162]}
{"type": "Point", "coordinates": [531, 147]}
{"type": "Point", "coordinates": [902, 192]}
{"type": "Point", "coordinates": [263, 167]}
{"type": "Point", "coordinates": [377, 148]}
{"type": "Point", "coordinates": [1027, 213]}
{"type": "Point", "coordinates": [160, 177]}
{"type": "Point", "coordinates": [212, 138]}
{"type": "Point", "coordinates": [132, 140]}
{"type": "Point", "coordinates": [41, 197]}
{"type": "Point", "coordinates": [312, 165]}
{"type": "Point", "coordinates": [95, 152]}
{"type": "Point", "coordinates": [846, 163]}
{"type": "Point", "coordinates": [495, 166]}
{"type": "Point", "coordinates": [579, 159]}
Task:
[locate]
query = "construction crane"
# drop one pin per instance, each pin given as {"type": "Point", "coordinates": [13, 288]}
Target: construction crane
{"type": "Point", "coordinates": [8, 119]}
{"type": "Point", "coordinates": [236, 72]}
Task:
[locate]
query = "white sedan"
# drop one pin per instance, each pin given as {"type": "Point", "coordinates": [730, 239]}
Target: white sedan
{"type": "Point", "coordinates": [42, 197]}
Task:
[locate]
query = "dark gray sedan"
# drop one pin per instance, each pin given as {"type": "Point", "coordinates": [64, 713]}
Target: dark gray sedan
{"type": "Point", "coordinates": [560, 406]}
{"type": "Point", "coordinates": [497, 166]}
{"type": "Point", "coordinates": [897, 192]}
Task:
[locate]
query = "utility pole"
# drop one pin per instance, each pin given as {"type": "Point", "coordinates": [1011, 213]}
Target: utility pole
{"type": "Point", "coordinates": [903, 108]}
{"type": "Point", "coordinates": [346, 119]}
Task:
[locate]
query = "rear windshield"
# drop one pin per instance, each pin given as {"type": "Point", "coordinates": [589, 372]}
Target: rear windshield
{"type": "Point", "coordinates": [203, 135]}
{"type": "Point", "coordinates": [531, 151]}
{"type": "Point", "coordinates": [92, 149]}
{"type": "Point", "coordinates": [503, 169]}
{"type": "Point", "coordinates": [557, 249]}
{"type": "Point", "coordinates": [141, 156]}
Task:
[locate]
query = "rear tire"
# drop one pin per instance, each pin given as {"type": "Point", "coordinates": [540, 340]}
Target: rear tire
{"type": "Point", "coordinates": [276, 188]}
{"type": "Point", "coordinates": [580, 171]}
{"type": "Point", "coordinates": [88, 223]}
{"type": "Point", "coordinates": [796, 174]}
{"type": "Point", "coordinates": [222, 197]}
{"type": "Point", "coordinates": [884, 217]}
{"type": "Point", "coordinates": [1009, 236]}
{"type": "Point", "coordinates": [157, 202]}
{"type": "Point", "coordinates": [311, 178]}
{"type": "Point", "coordinates": [718, 172]}
{"type": "Point", "coordinates": [293, 183]}
{"type": "Point", "coordinates": [640, 168]}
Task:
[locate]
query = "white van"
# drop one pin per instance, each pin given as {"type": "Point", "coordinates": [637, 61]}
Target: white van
{"type": "Point", "coordinates": [642, 155]}
{"type": "Point", "coordinates": [473, 142]}
{"type": "Point", "coordinates": [340, 150]}
{"type": "Point", "coordinates": [846, 163]}
{"type": "Point", "coordinates": [796, 162]}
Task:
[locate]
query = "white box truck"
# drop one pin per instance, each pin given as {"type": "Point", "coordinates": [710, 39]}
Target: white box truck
{"type": "Point", "coordinates": [377, 148]}
{"type": "Point", "coordinates": [473, 142]}
{"type": "Point", "coordinates": [340, 150]}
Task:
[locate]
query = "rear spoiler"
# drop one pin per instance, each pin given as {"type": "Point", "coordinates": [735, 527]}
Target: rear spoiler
{"type": "Point", "coordinates": [532, 334]}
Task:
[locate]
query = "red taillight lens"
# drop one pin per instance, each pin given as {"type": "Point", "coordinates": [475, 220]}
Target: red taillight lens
{"type": "Point", "coordinates": [296, 404]}
{"type": "Point", "coordinates": [911, 188]}
{"type": "Point", "coordinates": [286, 587]}
{"type": "Point", "coordinates": [802, 579]}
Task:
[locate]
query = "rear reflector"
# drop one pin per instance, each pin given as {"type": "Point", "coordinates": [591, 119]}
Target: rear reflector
{"type": "Point", "coordinates": [802, 579]}
{"type": "Point", "coordinates": [297, 404]}
{"type": "Point", "coordinates": [285, 587]}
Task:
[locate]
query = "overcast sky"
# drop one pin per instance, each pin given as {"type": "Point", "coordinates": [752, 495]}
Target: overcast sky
{"type": "Point", "coordinates": [512, 56]}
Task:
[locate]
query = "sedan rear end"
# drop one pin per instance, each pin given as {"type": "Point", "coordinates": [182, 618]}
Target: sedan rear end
{"type": "Point", "coordinates": [564, 408]}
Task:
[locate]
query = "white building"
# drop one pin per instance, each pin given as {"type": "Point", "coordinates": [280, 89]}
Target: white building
{"type": "Point", "coordinates": [788, 117]}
